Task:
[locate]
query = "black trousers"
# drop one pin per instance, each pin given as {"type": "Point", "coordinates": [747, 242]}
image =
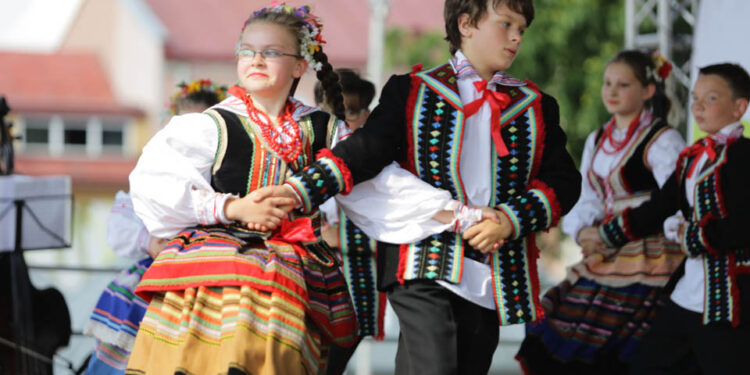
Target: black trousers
{"type": "Point", "coordinates": [441, 333]}
{"type": "Point", "coordinates": [339, 356]}
{"type": "Point", "coordinates": [678, 343]}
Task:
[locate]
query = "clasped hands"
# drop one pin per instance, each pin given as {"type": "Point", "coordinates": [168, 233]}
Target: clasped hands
{"type": "Point", "coordinates": [263, 209]}
{"type": "Point", "coordinates": [488, 234]}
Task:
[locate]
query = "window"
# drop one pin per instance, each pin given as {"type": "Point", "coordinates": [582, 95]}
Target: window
{"type": "Point", "coordinates": [36, 130]}
{"type": "Point", "coordinates": [112, 137]}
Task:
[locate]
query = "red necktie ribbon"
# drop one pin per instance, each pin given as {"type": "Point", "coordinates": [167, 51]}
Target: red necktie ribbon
{"type": "Point", "coordinates": [706, 145]}
{"type": "Point", "coordinates": [498, 101]}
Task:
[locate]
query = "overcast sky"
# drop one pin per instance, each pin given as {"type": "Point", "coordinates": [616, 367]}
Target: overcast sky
{"type": "Point", "coordinates": [35, 25]}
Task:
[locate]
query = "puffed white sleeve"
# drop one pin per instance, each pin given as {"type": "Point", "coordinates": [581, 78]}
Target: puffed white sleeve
{"type": "Point", "coordinates": [126, 234]}
{"type": "Point", "coordinates": [170, 185]}
{"type": "Point", "coordinates": [396, 206]}
{"type": "Point", "coordinates": [589, 208]}
{"type": "Point", "coordinates": [663, 153]}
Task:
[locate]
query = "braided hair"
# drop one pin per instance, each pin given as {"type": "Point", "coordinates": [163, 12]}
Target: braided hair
{"type": "Point", "coordinates": [298, 22]}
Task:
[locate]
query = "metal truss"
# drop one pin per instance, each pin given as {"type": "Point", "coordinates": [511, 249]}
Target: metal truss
{"type": "Point", "coordinates": [666, 25]}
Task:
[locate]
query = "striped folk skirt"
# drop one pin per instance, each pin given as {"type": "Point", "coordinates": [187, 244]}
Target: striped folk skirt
{"type": "Point", "coordinates": [596, 319]}
{"type": "Point", "coordinates": [115, 321]}
{"type": "Point", "coordinates": [224, 305]}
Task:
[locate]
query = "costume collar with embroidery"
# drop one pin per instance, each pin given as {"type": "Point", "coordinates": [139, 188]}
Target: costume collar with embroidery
{"type": "Point", "coordinates": [464, 69]}
{"type": "Point", "coordinates": [235, 105]}
{"type": "Point", "coordinates": [730, 131]}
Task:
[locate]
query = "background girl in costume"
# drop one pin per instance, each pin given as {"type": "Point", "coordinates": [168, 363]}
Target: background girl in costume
{"type": "Point", "coordinates": [596, 318]}
{"type": "Point", "coordinates": [118, 313]}
{"type": "Point", "coordinates": [225, 298]}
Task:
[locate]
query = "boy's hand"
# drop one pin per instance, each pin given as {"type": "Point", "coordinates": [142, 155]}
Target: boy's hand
{"type": "Point", "coordinates": [490, 234]}
{"type": "Point", "coordinates": [262, 215]}
{"type": "Point", "coordinates": [279, 191]}
{"type": "Point", "coordinates": [330, 234]}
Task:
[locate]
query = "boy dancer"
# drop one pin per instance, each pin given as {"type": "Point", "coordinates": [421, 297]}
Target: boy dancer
{"type": "Point", "coordinates": [488, 139]}
{"type": "Point", "coordinates": [706, 321]}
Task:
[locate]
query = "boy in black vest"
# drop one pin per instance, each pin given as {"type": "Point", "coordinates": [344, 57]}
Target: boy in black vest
{"type": "Point", "coordinates": [488, 139]}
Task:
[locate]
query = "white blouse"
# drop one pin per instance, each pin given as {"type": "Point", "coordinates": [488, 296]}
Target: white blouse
{"type": "Point", "coordinates": [662, 156]}
{"type": "Point", "coordinates": [170, 185]}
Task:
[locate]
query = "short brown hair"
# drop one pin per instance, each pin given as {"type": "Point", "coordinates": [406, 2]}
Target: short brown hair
{"type": "Point", "coordinates": [476, 9]}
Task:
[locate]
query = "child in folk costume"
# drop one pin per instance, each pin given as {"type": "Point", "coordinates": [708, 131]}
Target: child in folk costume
{"type": "Point", "coordinates": [356, 248]}
{"type": "Point", "coordinates": [243, 290]}
{"type": "Point", "coordinates": [706, 321]}
{"type": "Point", "coordinates": [485, 139]}
{"type": "Point", "coordinates": [596, 318]}
{"type": "Point", "coordinates": [118, 313]}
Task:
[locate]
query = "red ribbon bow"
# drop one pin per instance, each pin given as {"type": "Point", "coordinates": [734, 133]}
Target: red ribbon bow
{"type": "Point", "coordinates": [498, 101]}
{"type": "Point", "coordinates": [297, 230]}
{"type": "Point", "coordinates": [705, 145]}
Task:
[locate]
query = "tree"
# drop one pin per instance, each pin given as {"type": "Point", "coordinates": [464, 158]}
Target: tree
{"type": "Point", "coordinates": [565, 51]}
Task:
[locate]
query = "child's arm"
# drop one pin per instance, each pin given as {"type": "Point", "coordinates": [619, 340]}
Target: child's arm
{"type": "Point", "coordinates": [170, 186]}
{"type": "Point", "coordinates": [362, 155]}
{"type": "Point", "coordinates": [644, 220]}
{"type": "Point", "coordinates": [714, 234]}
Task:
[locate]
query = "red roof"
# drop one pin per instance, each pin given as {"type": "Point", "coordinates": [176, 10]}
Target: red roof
{"type": "Point", "coordinates": [60, 83]}
{"type": "Point", "coordinates": [209, 30]}
{"type": "Point", "coordinates": [102, 172]}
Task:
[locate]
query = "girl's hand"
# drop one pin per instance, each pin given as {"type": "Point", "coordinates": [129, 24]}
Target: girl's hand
{"type": "Point", "coordinates": [589, 247]}
{"type": "Point", "coordinates": [589, 234]}
{"type": "Point", "coordinates": [155, 246]}
{"type": "Point", "coordinates": [489, 235]}
{"type": "Point", "coordinates": [263, 215]}
{"type": "Point", "coordinates": [590, 240]}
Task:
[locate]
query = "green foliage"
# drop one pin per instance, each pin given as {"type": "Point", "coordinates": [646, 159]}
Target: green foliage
{"type": "Point", "coordinates": [406, 48]}
{"type": "Point", "coordinates": [565, 51]}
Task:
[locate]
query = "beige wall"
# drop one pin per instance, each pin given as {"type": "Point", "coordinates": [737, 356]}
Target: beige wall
{"type": "Point", "coordinates": [130, 50]}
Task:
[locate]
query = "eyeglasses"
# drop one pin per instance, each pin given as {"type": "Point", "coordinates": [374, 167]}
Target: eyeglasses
{"type": "Point", "coordinates": [265, 54]}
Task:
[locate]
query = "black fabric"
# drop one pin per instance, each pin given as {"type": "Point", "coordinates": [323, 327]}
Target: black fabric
{"type": "Point", "coordinates": [679, 343]}
{"type": "Point", "coordinates": [232, 176]}
{"type": "Point", "coordinates": [339, 356]}
{"type": "Point", "coordinates": [725, 234]}
{"type": "Point", "coordinates": [440, 332]}
{"type": "Point", "coordinates": [535, 359]}
{"type": "Point", "coordinates": [634, 171]}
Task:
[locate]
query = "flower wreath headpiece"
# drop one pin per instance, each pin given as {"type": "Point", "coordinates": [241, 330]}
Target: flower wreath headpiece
{"type": "Point", "coordinates": [310, 35]}
{"type": "Point", "coordinates": [200, 85]}
{"type": "Point", "coordinates": [662, 67]}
